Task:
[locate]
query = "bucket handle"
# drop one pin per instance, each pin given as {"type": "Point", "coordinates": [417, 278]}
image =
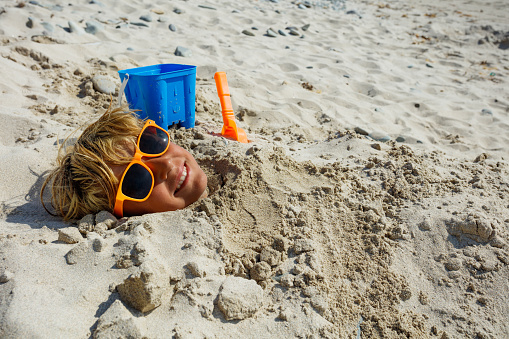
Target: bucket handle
{"type": "Point", "coordinates": [122, 88]}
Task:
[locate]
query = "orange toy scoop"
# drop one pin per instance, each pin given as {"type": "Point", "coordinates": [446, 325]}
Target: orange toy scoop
{"type": "Point", "coordinates": [230, 129]}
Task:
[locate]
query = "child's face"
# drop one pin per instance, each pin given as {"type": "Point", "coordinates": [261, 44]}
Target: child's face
{"type": "Point", "coordinates": [169, 169]}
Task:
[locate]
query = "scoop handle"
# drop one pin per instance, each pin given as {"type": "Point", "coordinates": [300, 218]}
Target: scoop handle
{"type": "Point", "coordinates": [230, 128]}
{"type": "Point", "coordinates": [224, 97]}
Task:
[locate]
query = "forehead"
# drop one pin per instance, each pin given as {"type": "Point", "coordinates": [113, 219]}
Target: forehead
{"type": "Point", "coordinates": [118, 170]}
{"type": "Point", "coordinates": [126, 152]}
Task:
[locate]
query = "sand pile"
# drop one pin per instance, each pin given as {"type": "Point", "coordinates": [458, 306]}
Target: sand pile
{"type": "Point", "coordinates": [343, 226]}
{"type": "Point", "coordinates": [372, 201]}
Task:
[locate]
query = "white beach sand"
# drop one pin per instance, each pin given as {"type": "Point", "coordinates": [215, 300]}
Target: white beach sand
{"type": "Point", "coordinates": [372, 201]}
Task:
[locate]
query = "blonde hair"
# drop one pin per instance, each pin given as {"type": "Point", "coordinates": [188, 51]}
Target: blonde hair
{"type": "Point", "coordinates": [83, 181]}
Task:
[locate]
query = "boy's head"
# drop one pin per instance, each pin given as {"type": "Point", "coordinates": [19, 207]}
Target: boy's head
{"type": "Point", "coordinates": [87, 174]}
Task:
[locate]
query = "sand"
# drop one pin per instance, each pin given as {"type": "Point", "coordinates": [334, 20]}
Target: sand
{"type": "Point", "coordinates": [371, 202]}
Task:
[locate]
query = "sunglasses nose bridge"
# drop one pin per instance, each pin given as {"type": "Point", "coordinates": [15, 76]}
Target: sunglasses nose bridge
{"type": "Point", "coordinates": [138, 155]}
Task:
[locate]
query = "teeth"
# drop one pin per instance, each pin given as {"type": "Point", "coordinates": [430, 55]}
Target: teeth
{"type": "Point", "coordinates": [182, 178]}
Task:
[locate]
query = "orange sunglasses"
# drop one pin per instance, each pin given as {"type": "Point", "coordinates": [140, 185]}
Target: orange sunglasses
{"type": "Point", "coordinates": [137, 181]}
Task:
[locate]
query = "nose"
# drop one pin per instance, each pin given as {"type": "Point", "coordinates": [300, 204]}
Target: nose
{"type": "Point", "coordinates": [160, 166]}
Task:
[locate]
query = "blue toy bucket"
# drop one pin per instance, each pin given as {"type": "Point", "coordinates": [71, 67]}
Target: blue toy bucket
{"type": "Point", "coordinates": [164, 93]}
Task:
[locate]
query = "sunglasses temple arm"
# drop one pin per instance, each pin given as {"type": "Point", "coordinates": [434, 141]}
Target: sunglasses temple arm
{"type": "Point", "coordinates": [118, 210]}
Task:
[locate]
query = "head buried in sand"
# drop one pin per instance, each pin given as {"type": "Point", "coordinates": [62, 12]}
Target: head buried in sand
{"type": "Point", "coordinates": [86, 179]}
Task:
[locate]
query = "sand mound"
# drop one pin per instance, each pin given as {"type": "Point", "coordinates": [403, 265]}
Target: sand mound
{"type": "Point", "coordinates": [340, 225]}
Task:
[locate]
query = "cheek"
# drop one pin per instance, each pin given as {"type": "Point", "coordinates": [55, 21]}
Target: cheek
{"type": "Point", "coordinates": [201, 181]}
{"type": "Point", "coordinates": [161, 200]}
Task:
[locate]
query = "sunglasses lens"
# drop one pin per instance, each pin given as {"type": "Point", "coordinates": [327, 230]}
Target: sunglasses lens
{"type": "Point", "coordinates": [137, 182]}
{"type": "Point", "coordinates": [153, 140]}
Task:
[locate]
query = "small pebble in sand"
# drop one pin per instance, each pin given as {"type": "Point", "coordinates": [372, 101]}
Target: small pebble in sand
{"type": "Point", "coordinates": [379, 136]}
{"type": "Point", "coordinates": [100, 228]}
{"type": "Point", "coordinates": [98, 243]}
{"type": "Point", "coordinates": [239, 298]}
{"type": "Point", "coordinates": [172, 28]}
{"type": "Point", "coordinates": [48, 27]}
{"type": "Point", "coordinates": [183, 52]}
{"type": "Point", "coordinates": [117, 322]}
{"type": "Point", "coordinates": [360, 130]}
{"type": "Point", "coordinates": [195, 269]}
{"type": "Point", "coordinates": [207, 7]}
{"type": "Point", "coordinates": [481, 157]}
{"type": "Point", "coordinates": [281, 32]}
{"type": "Point", "coordinates": [294, 32]}
{"type": "Point", "coordinates": [260, 271]}
{"type": "Point", "coordinates": [248, 32]}
{"type": "Point", "coordinates": [75, 28]}
{"type": "Point", "coordinates": [354, 12]}
{"type": "Point", "coordinates": [86, 224]}
{"type": "Point", "coordinates": [69, 235]}
{"type": "Point", "coordinates": [271, 33]}
{"type": "Point", "coordinates": [30, 22]}
{"type": "Point", "coordinates": [6, 276]}
{"type": "Point", "coordinates": [143, 289]}
{"type": "Point", "coordinates": [106, 217]}
{"type": "Point", "coordinates": [104, 84]}
{"type": "Point", "coordinates": [139, 24]}
{"type": "Point", "coordinates": [146, 17]}
{"type": "Point", "coordinates": [74, 255]}
{"type": "Point", "coordinates": [93, 27]}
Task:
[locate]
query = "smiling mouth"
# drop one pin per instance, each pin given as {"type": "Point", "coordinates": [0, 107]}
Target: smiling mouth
{"type": "Point", "coordinates": [182, 179]}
